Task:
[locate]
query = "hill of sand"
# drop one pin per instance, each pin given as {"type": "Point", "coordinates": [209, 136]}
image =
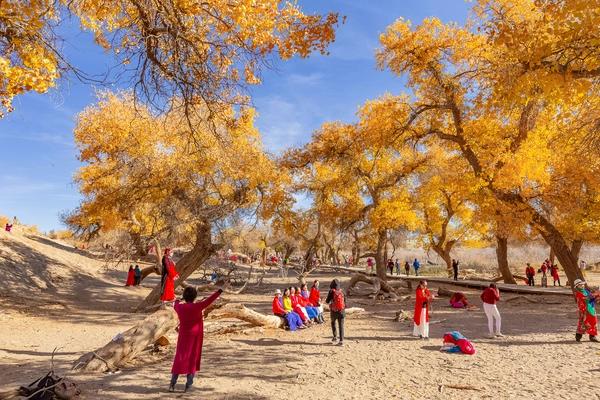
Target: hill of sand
{"type": "Point", "coordinates": [54, 296]}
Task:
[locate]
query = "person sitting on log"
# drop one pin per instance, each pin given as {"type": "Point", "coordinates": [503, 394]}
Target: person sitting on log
{"type": "Point", "coordinates": [459, 300]}
{"type": "Point", "coordinates": [298, 307]}
{"type": "Point", "coordinates": [168, 277]}
{"type": "Point", "coordinates": [191, 335]}
{"type": "Point", "coordinates": [130, 277]}
{"type": "Point", "coordinates": [288, 305]}
{"type": "Point", "coordinates": [292, 320]}
{"type": "Point", "coordinates": [312, 311]}
{"type": "Point", "coordinates": [315, 298]}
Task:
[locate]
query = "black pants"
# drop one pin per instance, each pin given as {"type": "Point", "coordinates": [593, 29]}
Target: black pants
{"type": "Point", "coordinates": [530, 281]}
{"type": "Point", "coordinates": [407, 271]}
{"type": "Point", "coordinates": [339, 317]}
{"type": "Point", "coordinates": [189, 381]}
{"type": "Point", "coordinates": [137, 280]}
{"type": "Point", "coordinates": [455, 274]}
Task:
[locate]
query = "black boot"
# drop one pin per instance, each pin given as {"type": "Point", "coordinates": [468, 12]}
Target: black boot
{"type": "Point", "coordinates": [593, 339]}
{"type": "Point", "coordinates": [578, 337]}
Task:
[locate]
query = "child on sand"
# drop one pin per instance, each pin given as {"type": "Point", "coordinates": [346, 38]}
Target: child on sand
{"type": "Point", "coordinates": [337, 307]}
{"type": "Point", "coordinates": [190, 337]}
{"type": "Point", "coordinates": [490, 296]}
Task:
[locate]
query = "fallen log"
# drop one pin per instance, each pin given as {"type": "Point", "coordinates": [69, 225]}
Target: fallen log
{"type": "Point", "coordinates": [522, 298]}
{"type": "Point", "coordinates": [127, 345]}
{"type": "Point", "coordinates": [379, 286]}
{"type": "Point", "coordinates": [243, 313]}
{"type": "Point", "coordinates": [443, 292]}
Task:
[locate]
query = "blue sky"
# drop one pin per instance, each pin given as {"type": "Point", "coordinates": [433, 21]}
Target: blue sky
{"type": "Point", "coordinates": [39, 157]}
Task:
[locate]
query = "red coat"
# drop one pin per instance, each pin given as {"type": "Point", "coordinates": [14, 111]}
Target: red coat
{"type": "Point", "coordinates": [554, 272]}
{"type": "Point", "coordinates": [423, 295]}
{"type": "Point", "coordinates": [297, 307]}
{"type": "Point", "coordinates": [130, 278]}
{"type": "Point", "coordinates": [191, 335]}
{"type": "Point", "coordinates": [168, 289]}
{"type": "Point", "coordinates": [530, 271]}
{"type": "Point", "coordinates": [314, 297]}
{"type": "Point", "coordinates": [278, 307]}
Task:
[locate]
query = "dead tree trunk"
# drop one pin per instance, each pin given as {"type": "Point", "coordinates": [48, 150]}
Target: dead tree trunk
{"type": "Point", "coordinates": [132, 342]}
{"type": "Point", "coordinates": [202, 250]}
{"type": "Point", "coordinates": [241, 312]}
{"type": "Point", "coordinates": [502, 257]}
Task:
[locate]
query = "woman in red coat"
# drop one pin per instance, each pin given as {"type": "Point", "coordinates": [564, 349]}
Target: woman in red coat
{"type": "Point", "coordinates": [130, 277]}
{"type": "Point", "coordinates": [421, 317]}
{"type": "Point", "coordinates": [191, 334]}
{"type": "Point", "coordinates": [168, 277]}
{"type": "Point", "coordinates": [315, 295]}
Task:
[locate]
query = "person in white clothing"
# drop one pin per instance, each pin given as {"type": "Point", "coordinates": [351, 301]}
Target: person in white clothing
{"type": "Point", "coordinates": [490, 297]}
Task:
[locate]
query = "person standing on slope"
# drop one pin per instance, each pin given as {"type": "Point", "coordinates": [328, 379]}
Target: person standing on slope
{"type": "Point", "coordinates": [168, 277]}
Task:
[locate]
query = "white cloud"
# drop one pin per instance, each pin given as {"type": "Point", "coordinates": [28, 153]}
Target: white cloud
{"type": "Point", "coordinates": [281, 123]}
{"type": "Point", "coordinates": [305, 79]}
{"type": "Point", "coordinates": [43, 137]}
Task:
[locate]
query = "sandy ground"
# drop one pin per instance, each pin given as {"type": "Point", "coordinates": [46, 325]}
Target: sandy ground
{"type": "Point", "coordinates": [85, 308]}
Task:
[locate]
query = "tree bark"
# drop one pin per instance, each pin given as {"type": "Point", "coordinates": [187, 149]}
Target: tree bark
{"type": "Point", "coordinates": [444, 253]}
{"type": "Point", "coordinates": [576, 246]}
{"type": "Point", "coordinates": [502, 257]}
{"type": "Point", "coordinates": [157, 268]}
{"type": "Point", "coordinates": [202, 250]}
{"type": "Point", "coordinates": [379, 255]}
{"type": "Point", "coordinates": [552, 257]}
{"type": "Point", "coordinates": [133, 342]}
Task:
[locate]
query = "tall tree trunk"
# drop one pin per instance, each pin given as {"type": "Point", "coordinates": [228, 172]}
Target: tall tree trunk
{"type": "Point", "coordinates": [444, 253]}
{"type": "Point", "coordinates": [576, 246]}
{"type": "Point", "coordinates": [379, 255]}
{"type": "Point", "coordinates": [202, 250]}
{"type": "Point", "coordinates": [551, 257]}
{"type": "Point", "coordinates": [502, 257]}
{"type": "Point", "coordinates": [559, 246]}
